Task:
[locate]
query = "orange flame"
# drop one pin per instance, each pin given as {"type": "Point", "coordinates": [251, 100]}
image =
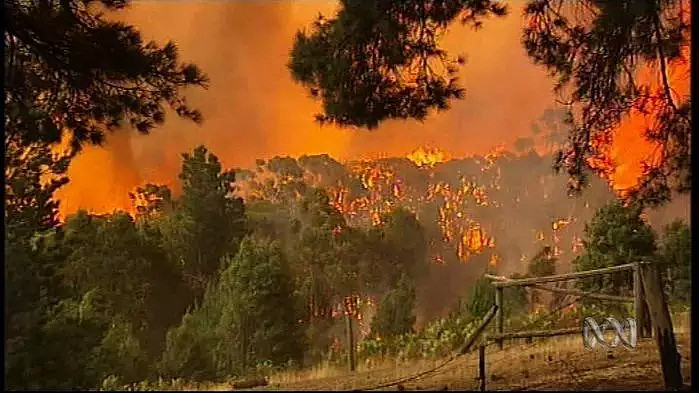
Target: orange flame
{"type": "Point", "coordinates": [629, 148]}
{"type": "Point", "coordinates": [425, 156]}
{"type": "Point", "coordinates": [561, 223]}
{"type": "Point", "coordinates": [494, 259]}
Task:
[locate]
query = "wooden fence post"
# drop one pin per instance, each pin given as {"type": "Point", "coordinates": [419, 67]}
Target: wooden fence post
{"type": "Point", "coordinates": [350, 342]}
{"type": "Point", "coordinates": [662, 327]}
{"type": "Point", "coordinates": [474, 336]}
{"type": "Point", "coordinates": [499, 314]}
{"type": "Point", "coordinates": [647, 327]}
{"type": "Point", "coordinates": [638, 306]}
{"type": "Point", "coordinates": [481, 366]}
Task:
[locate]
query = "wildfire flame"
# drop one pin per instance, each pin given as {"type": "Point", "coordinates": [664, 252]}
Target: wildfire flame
{"type": "Point", "coordinates": [577, 244]}
{"type": "Point", "coordinates": [561, 223]}
{"type": "Point", "coordinates": [539, 236]}
{"type": "Point", "coordinates": [426, 156]}
{"type": "Point", "coordinates": [628, 149]}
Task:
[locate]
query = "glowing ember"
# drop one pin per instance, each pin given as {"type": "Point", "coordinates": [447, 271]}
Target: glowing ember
{"type": "Point", "coordinates": [577, 244]}
{"type": "Point", "coordinates": [561, 223]}
{"type": "Point", "coordinates": [494, 258]}
{"type": "Point", "coordinates": [539, 237]}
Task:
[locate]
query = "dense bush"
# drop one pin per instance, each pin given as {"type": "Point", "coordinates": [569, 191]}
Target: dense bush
{"type": "Point", "coordinates": [246, 319]}
{"type": "Point", "coordinates": [674, 255]}
{"type": "Point", "coordinates": [616, 235]}
{"type": "Point", "coordinates": [88, 301]}
{"type": "Point", "coordinates": [122, 299]}
{"type": "Point", "coordinates": [395, 314]}
{"type": "Point", "coordinates": [438, 338]}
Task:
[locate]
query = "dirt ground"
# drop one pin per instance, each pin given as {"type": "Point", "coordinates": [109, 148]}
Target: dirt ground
{"type": "Point", "coordinates": [546, 364]}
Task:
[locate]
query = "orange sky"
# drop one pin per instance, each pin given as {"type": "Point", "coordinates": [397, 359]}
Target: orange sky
{"type": "Point", "coordinates": [628, 147]}
{"type": "Point", "coordinates": [254, 110]}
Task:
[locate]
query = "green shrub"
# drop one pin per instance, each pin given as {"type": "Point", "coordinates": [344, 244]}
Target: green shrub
{"type": "Point", "coordinates": [247, 318]}
{"type": "Point", "coordinates": [438, 338]}
{"type": "Point", "coordinates": [615, 235]}
{"type": "Point", "coordinates": [482, 298]}
{"type": "Point", "coordinates": [395, 314]}
{"type": "Point", "coordinates": [674, 256]}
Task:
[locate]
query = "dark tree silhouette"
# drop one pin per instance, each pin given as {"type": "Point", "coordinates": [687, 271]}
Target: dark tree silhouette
{"type": "Point", "coordinates": [69, 69]}
{"type": "Point", "coordinates": [69, 76]}
{"type": "Point", "coordinates": [379, 60]}
{"type": "Point", "coordinates": [597, 50]}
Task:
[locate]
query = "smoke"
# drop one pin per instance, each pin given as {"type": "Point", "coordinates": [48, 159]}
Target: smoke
{"type": "Point", "coordinates": [254, 110]}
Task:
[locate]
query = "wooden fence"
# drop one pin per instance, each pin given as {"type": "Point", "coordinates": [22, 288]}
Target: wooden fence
{"type": "Point", "coordinates": [646, 280]}
{"type": "Point", "coordinates": [647, 290]}
{"type": "Point", "coordinates": [503, 282]}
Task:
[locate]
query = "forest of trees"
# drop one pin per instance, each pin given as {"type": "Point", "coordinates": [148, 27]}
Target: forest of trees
{"type": "Point", "coordinates": [203, 287]}
{"type": "Point", "coordinates": [192, 287]}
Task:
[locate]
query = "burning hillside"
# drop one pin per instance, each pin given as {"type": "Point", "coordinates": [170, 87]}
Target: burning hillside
{"type": "Point", "coordinates": [497, 210]}
{"type": "Point", "coordinates": [273, 116]}
{"type": "Point", "coordinates": [478, 206]}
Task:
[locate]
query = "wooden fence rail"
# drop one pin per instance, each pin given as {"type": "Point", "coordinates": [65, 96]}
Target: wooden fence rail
{"type": "Point", "coordinates": [486, 320]}
{"type": "Point", "coordinates": [647, 290]}
{"type": "Point", "coordinates": [502, 282]}
{"type": "Point", "coordinates": [575, 292]}
{"type": "Point", "coordinates": [563, 277]}
{"type": "Point", "coordinates": [533, 333]}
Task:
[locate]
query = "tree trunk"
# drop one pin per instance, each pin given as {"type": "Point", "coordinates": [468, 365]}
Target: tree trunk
{"type": "Point", "coordinates": [662, 327]}
{"type": "Point", "coordinates": [646, 323]}
{"type": "Point", "coordinates": [640, 307]}
{"type": "Point", "coordinates": [481, 366]}
{"type": "Point", "coordinates": [350, 342]}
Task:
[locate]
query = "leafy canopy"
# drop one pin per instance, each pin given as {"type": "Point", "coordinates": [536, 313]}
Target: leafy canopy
{"type": "Point", "coordinates": [605, 56]}
{"type": "Point", "coordinates": [395, 314]}
{"type": "Point", "coordinates": [67, 68]}
{"type": "Point", "coordinates": [675, 256]}
{"type": "Point", "coordinates": [207, 220]}
{"type": "Point", "coordinates": [616, 235]}
{"type": "Point", "coordinates": [247, 317]}
{"type": "Point", "coordinates": [379, 60]}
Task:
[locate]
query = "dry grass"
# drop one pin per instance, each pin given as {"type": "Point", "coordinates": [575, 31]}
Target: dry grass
{"type": "Point", "coordinates": [389, 365]}
{"type": "Point", "coordinates": [681, 322]}
{"type": "Point", "coordinates": [555, 363]}
{"type": "Point", "coordinates": [559, 363]}
{"type": "Point", "coordinates": [320, 371]}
